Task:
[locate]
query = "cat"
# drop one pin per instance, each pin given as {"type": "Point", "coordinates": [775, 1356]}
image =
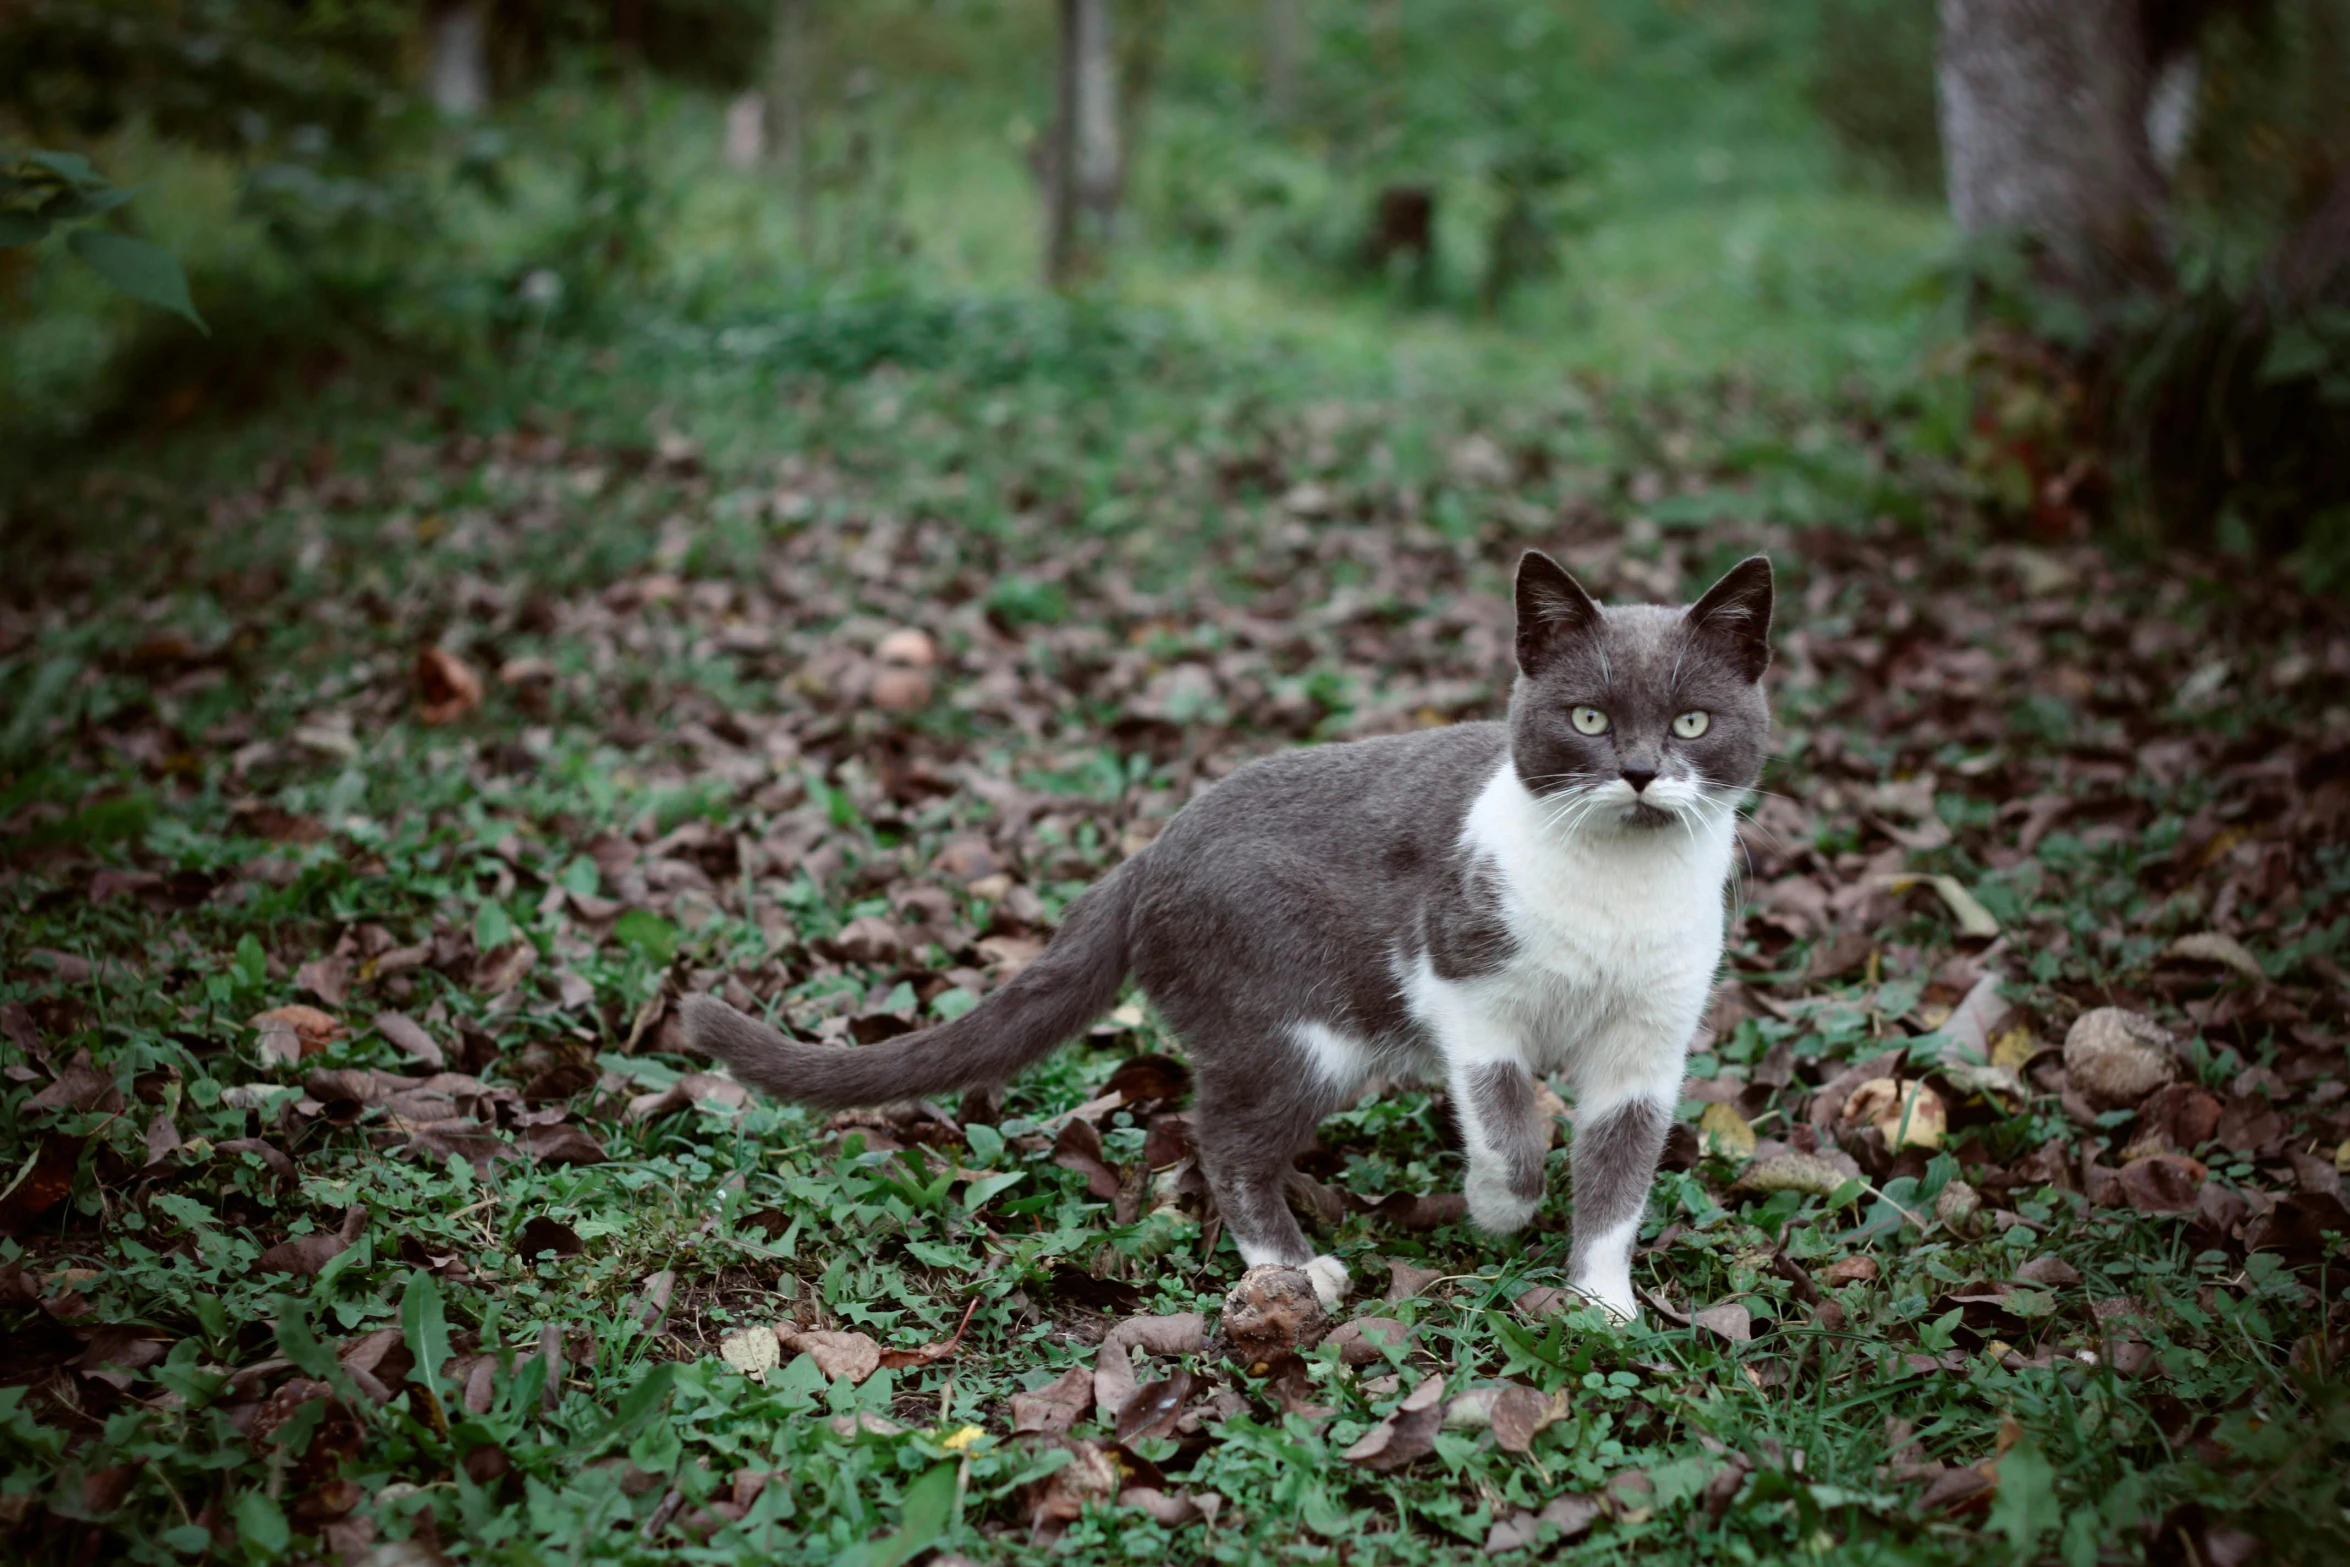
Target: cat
{"type": "Point", "coordinates": [1469, 905]}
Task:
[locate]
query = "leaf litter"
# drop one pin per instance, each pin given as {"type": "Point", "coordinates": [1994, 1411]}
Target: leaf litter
{"type": "Point", "coordinates": [2036, 996]}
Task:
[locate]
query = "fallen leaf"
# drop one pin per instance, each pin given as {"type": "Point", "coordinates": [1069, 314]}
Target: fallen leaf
{"type": "Point", "coordinates": [925, 1354]}
{"type": "Point", "coordinates": [1405, 1435]}
{"type": "Point", "coordinates": [446, 689]}
{"type": "Point", "coordinates": [1513, 1412]}
{"type": "Point", "coordinates": [850, 1355]}
{"type": "Point", "coordinates": [1057, 1405]}
{"type": "Point", "coordinates": [1973, 920]}
{"type": "Point", "coordinates": [1793, 1172]}
{"type": "Point", "coordinates": [2162, 1183]}
{"type": "Point", "coordinates": [1152, 1410]}
{"type": "Point", "coordinates": [692, 1089]}
{"type": "Point", "coordinates": [410, 1039]}
{"type": "Point", "coordinates": [327, 978]}
{"type": "Point", "coordinates": [42, 1183]}
{"type": "Point", "coordinates": [542, 1234]}
{"type": "Point", "coordinates": [1724, 1132]}
{"type": "Point", "coordinates": [1079, 1148]}
{"type": "Point", "coordinates": [289, 1033]}
{"type": "Point", "coordinates": [1091, 1475]}
{"type": "Point", "coordinates": [1366, 1340]}
{"type": "Point", "coordinates": [81, 1086]}
{"type": "Point", "coordinates": [1850, 1270]}
{"type": "Point", "coordinates": [1405, 1280]}
{"type": "Point", "coordinates": [562, 1143]}
{"type": "Point", "coordinates": [2211, 946]}
{"type": "Point", "coordinates": [1114, 1382]}
{"type": "Point", "coordinates": [1910, 1115]}
{"type": "Point", "coordinates": [307, 1254]}
{"type": "Point", "coordinates": [753, 1351]}
{"type": "Point", "coordinates": [1729, 1321]}
{"type": "Point", "coordinates": [2049, 1272]}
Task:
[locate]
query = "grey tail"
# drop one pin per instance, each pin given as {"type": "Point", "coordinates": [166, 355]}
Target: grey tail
{"type": "Point", "coordinates": [1068, 986]}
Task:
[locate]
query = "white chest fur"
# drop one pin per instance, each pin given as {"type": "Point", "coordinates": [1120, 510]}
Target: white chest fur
{"type": "Point", "coordinates": [1617, 934]}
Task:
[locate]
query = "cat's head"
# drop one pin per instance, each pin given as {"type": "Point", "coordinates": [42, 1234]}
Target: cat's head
{"type": "Point", "coordinates": [1640, 716]}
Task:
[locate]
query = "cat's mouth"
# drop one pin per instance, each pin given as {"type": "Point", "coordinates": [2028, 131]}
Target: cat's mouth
{"type": "Point", "coordinates": [1642, 814]}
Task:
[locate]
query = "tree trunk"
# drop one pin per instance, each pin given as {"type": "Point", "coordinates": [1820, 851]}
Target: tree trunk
{"type": "Point", "coordinates": [1085, 167]}
{"type": "Point", "coordinates": [458, 76]}
{"type": "Point", "coordinates": [788, 79]}
{"type": "Point", "coordinates": [1285, 47]}
{"type": "Point", "coordinates": [2044, 109]}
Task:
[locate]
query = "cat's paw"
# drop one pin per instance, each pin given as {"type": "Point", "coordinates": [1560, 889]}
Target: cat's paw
{"type": "Point", "coordinates": [1493, 1206]}
{"type": "Point", "coordinates": [1615, 1300]}
{"type": "Point", "coordinates": [1330, 1281]}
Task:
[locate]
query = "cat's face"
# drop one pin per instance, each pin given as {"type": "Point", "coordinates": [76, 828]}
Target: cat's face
{"type": "Point", "coordinates": [1642, 716]}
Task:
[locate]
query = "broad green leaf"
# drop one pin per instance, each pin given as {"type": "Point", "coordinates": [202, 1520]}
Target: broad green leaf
{"type": "Point", "coordinates": [492, 927]}
{"type": "Point", "coordinates": [69, 166]}
{"type": "Point", "coordinates": [261, 1523]}
{"type": "Point", "coordinates": [425, 1328]}
{"type": "Point", "coordinates": [978, 1192]}
{"type": "Point", "coordinates": [648, 933]}
{"type": "Point", "coordinates": [2026, 1504]}
{"type": "Point", "coordinates": [145, 272]}
{"type": "Point", "coordinates": [930, 1508]}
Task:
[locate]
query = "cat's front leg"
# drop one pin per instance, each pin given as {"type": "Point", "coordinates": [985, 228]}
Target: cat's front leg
{"type": "Point", "coordinates": [1502, 1127]}
{"type": "Point", "coordinates": [1618, 1136]}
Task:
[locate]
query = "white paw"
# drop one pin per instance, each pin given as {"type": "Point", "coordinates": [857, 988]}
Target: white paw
{"type": "Point", "coordinates": [1331, 1285]}
{"type": "Point", "coordinates": [1612, 1297]}
{"type": "Point", "coordinates": [1493, 1207]}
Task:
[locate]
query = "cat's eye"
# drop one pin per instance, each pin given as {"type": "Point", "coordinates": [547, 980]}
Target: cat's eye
{"type": "Point", "coordinates": [1690, 725]}
{"type": "Point", "coordinates": [1589, 721]}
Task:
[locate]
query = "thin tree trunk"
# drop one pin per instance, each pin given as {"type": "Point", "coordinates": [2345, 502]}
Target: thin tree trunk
{"type": "Point", "coordinates": [458, 76]}
{"type": "Point", "coordinates": [788, 79]}
{"type": "Point", "coordinates": [1085, 171]}
{"type": "Point", "coordinates": [2043, 107]}
{"type": "Point", "coordinates": [1284, 54]}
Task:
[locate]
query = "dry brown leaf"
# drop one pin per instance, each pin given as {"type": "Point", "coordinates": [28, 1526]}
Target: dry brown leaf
{"type": "Point", "coordinates": [753, 1351]}
{"type": "Point", "coordinates": [1850, 1270]}
{"type": "Point", "coordinates": [851, 1355]}
{"type": "Point", "coordinates": [327, 978]}
{"type": "Point", "coordinates": [2113, 1058]}
{"type": "Point", "coordinates": [289, 1033]}
{"type": "Point", "coordinates": [1114, 1381]}
{"type": "Point", "coordinates": [2211, 946]}
{"type": "Point", "coordinates": [1056, 1406]}
{"type": "Point", "coordinates": [446, 690]}
{"type": "Point", "coordinates": [307, 1254]}
{"type": "Point", "coordinates": [1366, 1340]}
{"type": "Point", "coordinates": [1793, 1171]}
{"type": "Point", "coordinates": [411, 1039]}
{"type": "Point", "coordinates": [1909, 1115]}
{"type": "Point", "coordinates": [1407, 1434]}
{"type": "Point", "coordinates": [897, 1359]}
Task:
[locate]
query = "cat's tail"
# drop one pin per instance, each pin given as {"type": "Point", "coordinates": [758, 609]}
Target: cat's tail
{"type": "Point", "coordinates": [1068, 986]}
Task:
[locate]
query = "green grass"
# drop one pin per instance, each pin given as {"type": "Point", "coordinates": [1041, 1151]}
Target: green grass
{"type": "Point", "coordinates": [1073, 501]}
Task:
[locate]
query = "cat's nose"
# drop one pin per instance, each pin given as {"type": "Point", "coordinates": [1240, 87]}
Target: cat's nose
{"type": "Point", "coordinates": [1639, 777]}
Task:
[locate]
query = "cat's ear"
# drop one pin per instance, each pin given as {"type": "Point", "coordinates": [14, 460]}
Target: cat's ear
{"type": "Point", "coordinates": [1553, 611]}
{"type": "Point", "coordinates": [1734, 617]}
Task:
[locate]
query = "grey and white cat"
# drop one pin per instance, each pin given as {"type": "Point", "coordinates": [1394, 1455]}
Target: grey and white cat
{"type": "Point", "coordinates": [1470, 905]}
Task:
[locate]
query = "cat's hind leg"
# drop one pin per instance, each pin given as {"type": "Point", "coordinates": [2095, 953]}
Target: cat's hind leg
{"type": "Point", "coordinates": [1250, 1124]}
